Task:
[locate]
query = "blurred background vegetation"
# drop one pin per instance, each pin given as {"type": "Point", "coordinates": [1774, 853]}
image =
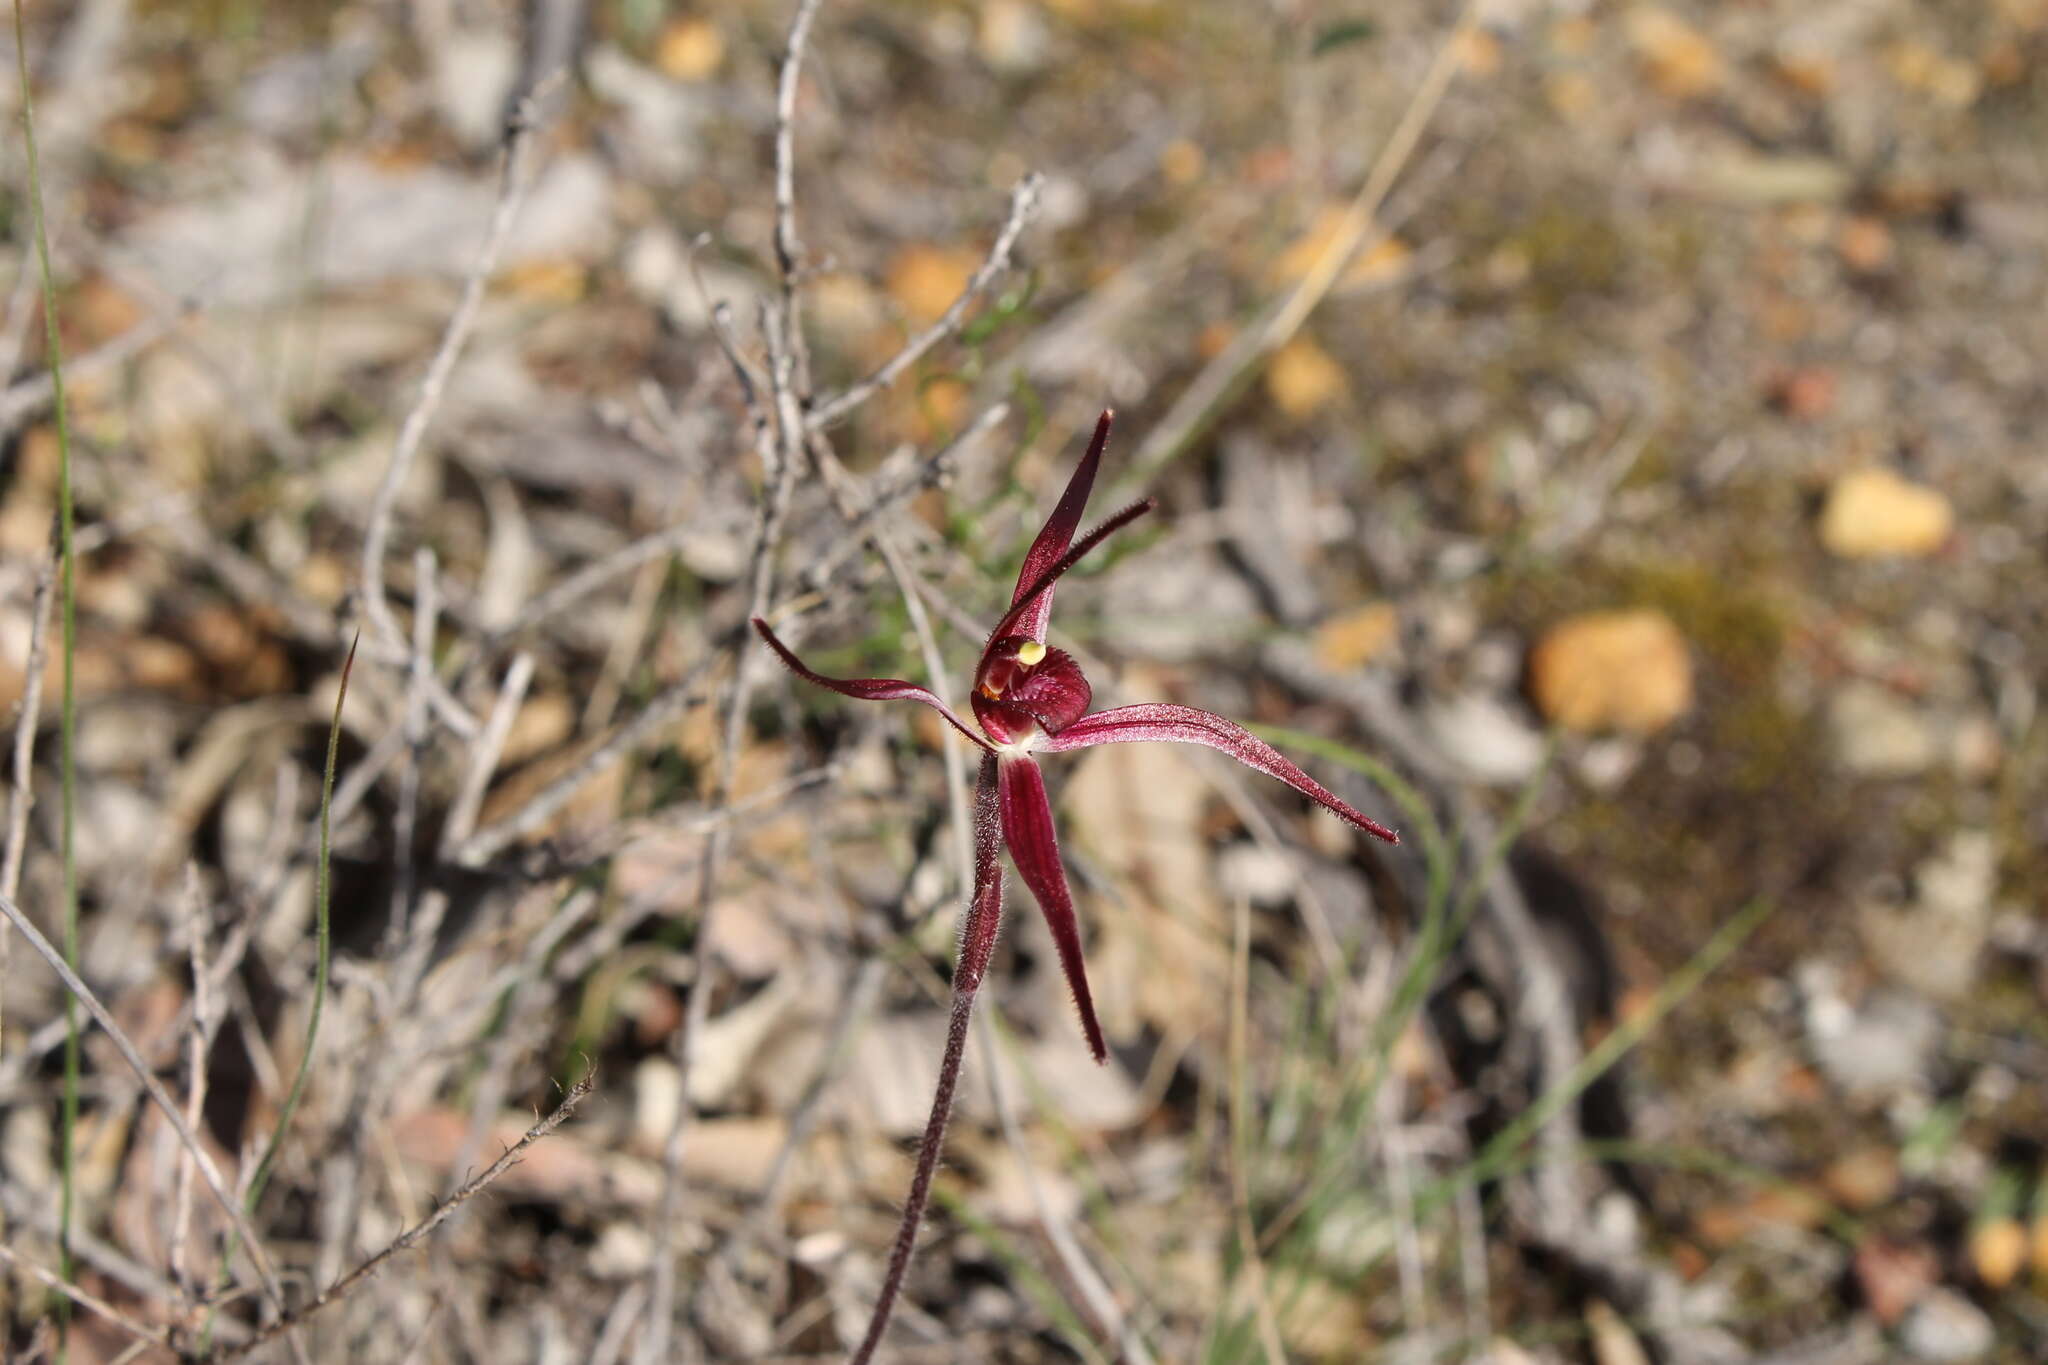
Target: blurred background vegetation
{"type": "Point", "coordinates": [1657, 489]}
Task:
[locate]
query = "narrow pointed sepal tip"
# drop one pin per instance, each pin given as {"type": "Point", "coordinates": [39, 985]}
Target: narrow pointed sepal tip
{"type": "Point", "coordinates": [1366, 823]}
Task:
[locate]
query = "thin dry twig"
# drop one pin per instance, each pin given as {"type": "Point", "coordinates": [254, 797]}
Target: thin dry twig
{"type": "Point", "coordinates": [930, 473]}
{"type": "Point", "coordinates": [1023, 208]}
{"type": "Point", "coordinates": [89, 1302]}
{"type": "Point", "coordinates": [28, 398]}
{"type": "Point", "coordinates": [513, 183]}
{"type": "Point", "coordinates": [788, 249]}
{"type": "Point", "coordinates": [485, 754]}
{"type": "Point", "coordinates": [1223, 377]}
{"type": "Point", "coordinates": [1109, 1315]}
{"type": "Point", "coordinates": [411, 1237]}
{"type": "Point", "coordinates": [527, 1004]}
{"type": "Point", "coordinates": [426, 612]}
{"type": "Point", "coordinates": [780, 442]}
{"type": "Point", "coordinates": [272, 1287]}
{"type": "Point", "coordinates": [661, 1285]}
{"type": "Point", "coordinates": [199, 1040]}
{"type": "Point", "coordinates": [1240, 1136]}
{"type": "Point", "coordinates": [669, 703]}
{"type": "Point", "coordinates": [22, 798]}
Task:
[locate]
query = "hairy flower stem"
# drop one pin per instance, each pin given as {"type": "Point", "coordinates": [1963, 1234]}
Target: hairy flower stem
{"type": "Point", "coordinates": [977, 945]}
{"type": "Point", "coordinates": [927, 1166]}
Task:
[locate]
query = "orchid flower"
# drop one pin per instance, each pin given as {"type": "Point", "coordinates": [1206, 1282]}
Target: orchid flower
{"type": "Point", "coordinates": [1031, 698]}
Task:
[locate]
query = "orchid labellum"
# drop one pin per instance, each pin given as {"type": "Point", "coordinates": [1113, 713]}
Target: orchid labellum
{"type": "Point", "coordinates": [1030, 698]}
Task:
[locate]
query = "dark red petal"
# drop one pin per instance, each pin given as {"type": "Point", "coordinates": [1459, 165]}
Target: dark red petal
{"type": "Point", "coordinates": [1000, 721]}
{"type": "Point", "coordinates": [1055, 691]}
{"type": "Point", "coordinates": [1027, 826]}
{"type": "Point", "coordinates": [869, 689]}
{"type": "Point", "coordinates": [1041, 589]}
{"type": "Point", "coordinates": [1186, 725]}
{"type": "Point", "coordinates": [1058, 532]}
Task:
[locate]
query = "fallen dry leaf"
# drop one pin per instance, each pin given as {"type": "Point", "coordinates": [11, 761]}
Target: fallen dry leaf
{"type": "Point", "coordinates": [1182, 161]}
{"type": "Point", "coordinates": [924, 280]}
{"type": "Point", "coordinates": [1614, 1341]}
{"type": "Point", "coordinates": [1619, 670]}
{"type": "Point", "coordinates": [1678, 58]}
{"type": "Point", "coordinates": [1302, 378]}
{"type": "Point", "coordinates": [1873, 513]}
{"type": "Point", "coordinates": [545, 281]}
{"type": "Point", "coordinates": [1864, 1178]}
{"type": "Point", "coordinates": [1805, 394]}
{"type": "Point", "coordinates": [1892, 1276]}
{"type": "Point", "coordinates": [1355, 638]}
{"type": "Point", "coordinates": [689, 49]}
{"type": "Point", "coordinates": [1381, 260]}
{"type": "Point", "coordinates": [1865, 243]}
{"type": "Point", "coordinates": [1998, 1249]}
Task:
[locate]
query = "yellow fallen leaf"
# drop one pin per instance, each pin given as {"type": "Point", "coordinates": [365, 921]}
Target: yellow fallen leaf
{"type": "Point", "coordinates": [1181, 162]}
{"type": "Point", "coordinates": [1479, 52]}
{"type": "Point", "coordinates": [689, 49]}
{"type": "Point", "coordinates": [1873, 513]}
{"type": "Point", "coordinates": [542, 723]}
{"type": "Point", "coordinates": [555, 281]}
{"type": "Point", "coordinates": [1357, 637]}
{"type": "Point", "coordinates": [1378, 261]}
{"type": "Point", "coordinates": [924, 280]}
{"type": "Point", "coordinates": [1303, 378]}
{"type": "Point", "coordinates": [1998, 1248]}
{"type": "Point", "coordinates": [1571, 93]}
{"type": "Point", "coordinates": [1622, 670]}
{"type": "Point", "coordinates": [1677, 57]}
{"type": "Point", "coordinates": [1862, 1179]}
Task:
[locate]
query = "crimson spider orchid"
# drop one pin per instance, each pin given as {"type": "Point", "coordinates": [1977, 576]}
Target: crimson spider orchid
{"type": "Point", "coordinates": [1031, 698]}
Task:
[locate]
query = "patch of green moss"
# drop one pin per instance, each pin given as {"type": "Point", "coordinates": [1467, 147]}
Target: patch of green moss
{"type": "Point", "coordinates": [1570, 252]}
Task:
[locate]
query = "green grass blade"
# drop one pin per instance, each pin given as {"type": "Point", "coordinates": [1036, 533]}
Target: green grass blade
{"type": "Point", "coordinates": [1414, 806]}
{"type": "Point", "coordinates": [322, 940]}
{"type": "Point", "coordinates": [322, 895]}
{"type": "Point", "coordinates": [67, 732]}
{"type": "Point", "coordinates": [1031, 1282]}
{"type": "Point", "coordinates": [1508, 1144]}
